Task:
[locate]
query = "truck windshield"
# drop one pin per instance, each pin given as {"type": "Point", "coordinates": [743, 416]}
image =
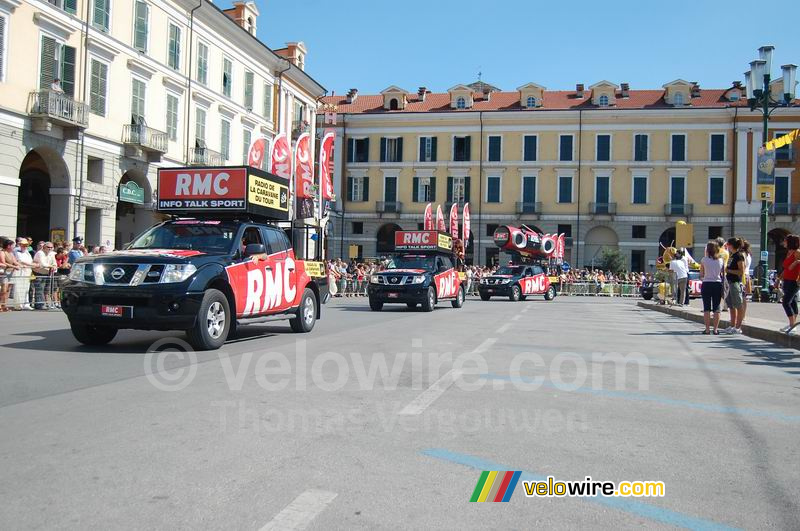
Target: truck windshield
{"type": "Point", "coordinates": [412, 262]}
{"type": "Point", "coordinates": [509, 270]}
{"type": "Point", "coordinates": [207, 237]}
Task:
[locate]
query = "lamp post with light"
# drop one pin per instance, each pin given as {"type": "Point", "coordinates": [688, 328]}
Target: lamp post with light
{"type": "Point", "coordinates": [759, 98]}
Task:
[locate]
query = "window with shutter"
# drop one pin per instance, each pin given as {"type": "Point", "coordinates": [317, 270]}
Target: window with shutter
{"type": "Point", "coordinates": [495, 148]}
{"type": "Point", "coordinates": [141, 12]}
{"type": "Point", "coordinates": [47, 64]}
{"type": "Point", "coordinates": [268, 101]}
{"type": "Point", "coordinates": [640, 148]}
{"type": "Point", "coordinates": [603, 148]}
{"type": "Point", "coordinates": [137, 101]}
{"type": "Point", "coordinates": [565, 148]}
{"type": "Point", "coordinates": [200, 127]}
{"type": "Point", "coordinates": [225, 139]}
{"type": "Point", "coordinates": [246, 139]}
{"type": "Point", "coordinates": [2, 48]}
{"type": "Point", "coordinates": [529, 148]}
{"type": "Point", "coordinates": [71, 6]}
{"type": "Point", "coordinates": [678, 148]}
{"type": "Point", "coordinates": [717, 148]}
{"type": "Point", "coordinates": [716, 191]}
{"type": "Point", "coordinates": [202, 63]}
{"type": "Point", "coordinates": [172, 117]}
{"type": "Point", "coordinates": [68, 70]}
{"type": "Point", "coordinates": [101, 15]}
{"type": "Point", "coordinates": [174, 58]}
{"type": "Point", "coordinates": [227, 76]}
{"type": "Point", "coordinates": [97, 95]}
{"type": "Point", "coordinates": [249, 79]}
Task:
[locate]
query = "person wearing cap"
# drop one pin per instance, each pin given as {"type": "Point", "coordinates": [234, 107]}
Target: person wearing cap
{"type": "Point", "coordinates": [44, 267]}
{"type": "Point", "coordinates": [22, 276]}
{"type": "Point", "coordinates": [75, 252]}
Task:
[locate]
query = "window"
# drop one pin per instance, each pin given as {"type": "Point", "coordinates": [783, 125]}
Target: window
{"type": "Point", "coordinates": [602, 193]}
{"type": "Point", "coordinates": [678, 148]}
{"type": "Point", "coordinates": [677, 99]}
{"type": "Point", "coordinates": [714, 232]}
{"type": "Point", "coordinates": [247, 137]}
{"type": "Point", "coordinates": [565, 229]}
{"type": "Point", "coordinates": [639, 194]}
{"type": "Point", "coordinates": [529, 147]}
{"type": "Point", "coordinates": [268, 101]}
{"type": "Point", "coordinates": [531, 102]}
{"type": "Point", "coordinates": [358, 189]}
{"type": "Point", "coordinates": [427, 149]}
{"type": "Point", "coordinates": [225, 139]}
{"type": "Point", "coordinates": [565, 148]}
{"type": "Point", "coordinates": [138, 98]}
{"type": "Point", "coordinates": [639, 231]}
{"type": "Point", "coordinates": [423, 189]}
{"type": "Point", "coordinates": [174, 49]}
{"type": "Point", "coordinates": [202, 63]}
{"type": "Point", "coordinates": [493, 187]}
{"type": "Point", "coordinates": [97, 88]}
{"type": "Point", "coordinates": [393, 104]}
{"type": "Point", "coordinates": [716, 190]}
{"type": "Point", "coordinates": [640, 147]}
{"type": "Point", "coordinates": [529, 190]}
{"type": "Point", "coordinates": [391, 149]}
{"type": "Point", "coordinates": [461, 148]}
{"type": "Point", "coordinates": [200, 127]}
{"type": "Point", "coordinates": [458, 189]}
{"type": "Point", "coordinates": [677, 193]}
{"type": "Point", "coordinates": [603, 101]}
{"type": "Point", "coordinates": [461, 103]}
{"type": "Point", "coordinates": [172, 117]}
{"type": "Point", "coordinates": [783, 152]}
{"type": "Point", "coordinates": [3, 46]}
{"type": "Point", "coordinates": [390, 189]}
{"type": "Point", "coordinates": [140, 22]}
{"type": "Point", "coordinates": [249, 81]}
{"type": "Point", "coordinates": [565, 189]}
{"type": "Point", "coordinates": [603, 148]}
{"type": "Point", "coordinates": [70, 6]}
{"type": "Point", "coordinates": [717, 147]}
{"type": "Point", "coordinates": [637, 260]}
{"type": "Point", "coordinates": [94, 170]}
{"type": "Point", "coordinates": [227, 77]}
{"type": "Point", "coordinates": [782, 191]}
{"type": "Point", "coordinates": [101, 15]}
{"type": "Point", "coordinates": [358, 150]}
{"type": "Point", "coordinates": [357, 227]}
{"type": "Point", "coordinates": [57, 61]}
{"type": "Point", "coordinates": [495, 148]}
{"type": "Point", "coordinates": [298, 117]}
{"type": "Point", "coordinates": [490, 228]}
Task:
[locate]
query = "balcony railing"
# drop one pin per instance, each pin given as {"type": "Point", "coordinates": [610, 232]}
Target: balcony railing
{"type": "Point", "coordinates": [58, 107]}
{"type": "Point", "coordinates": [205, 157]}
{"type": "Point", "coordinates": [146, 138]}
{"type": "Point", "coordinates": [389, 207]}
{"type": "Point", "coordinates": [678, 209]}
{"type": "Point", "coordinates": [528, 208]}
{"type": "Point", "coordinates": [603, 208]}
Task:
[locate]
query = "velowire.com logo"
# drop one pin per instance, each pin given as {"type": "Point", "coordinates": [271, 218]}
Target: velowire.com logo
{"type": "Point", "coordinates": [494, 486]}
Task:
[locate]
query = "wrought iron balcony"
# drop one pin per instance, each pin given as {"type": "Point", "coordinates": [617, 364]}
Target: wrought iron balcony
{"type": "Point", "coordinates": [49, 107]}
{"type": "Point", "coordinates": [389, 207]}
{"type": "Point", "coordinates": [678, 209]}
{"type": "Point", "coordinates": [603, 208]}
{"type": "Point", "coordinates": [202, 156]}
{"type": "Point", "coordinates": [146, 138]}
{"type": "Point", "coordinates": [529, 208]}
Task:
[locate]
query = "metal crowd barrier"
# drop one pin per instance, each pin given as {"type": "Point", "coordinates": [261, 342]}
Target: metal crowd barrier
{"type": "Point", "coordinates": [35, 291]}
{"type": "Point", "coordinates": [599, 289]}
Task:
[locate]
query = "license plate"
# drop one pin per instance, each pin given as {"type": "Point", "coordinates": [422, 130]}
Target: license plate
{"type": "Point", "coordinates": [393, 295]}
{"type": "Point", "coordinates": [490, 291]}
{"type": "Point", "coordinates": [116, 311]}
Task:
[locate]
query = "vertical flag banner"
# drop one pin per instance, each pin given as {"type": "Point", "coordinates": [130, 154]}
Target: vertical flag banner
{"type": "Point", "coordinates": [765, 174]}
{"type": "Point", "coordinates": [257, 153]}
{"type": "Point", "coordinates": [440, 219]}
{"type": "Point", "coordinates": [494, 486]}
{"type": "Point", "coordinates": [280, 157]}
{"type": "Point", "coordinates": [454, 220]}
{"type": "Point", "coordinates": [428, 217]}
{"type": "Point", "coordinates": [325, 153]}
{"type": "Point", "coordinates": [465, 224]}
{"type": "Point", "coordinates": [304, 167]}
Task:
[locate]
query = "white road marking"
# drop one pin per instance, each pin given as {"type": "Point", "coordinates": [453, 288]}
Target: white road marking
{"type": "Point", "coordinates": [437, 388]}
{"type": "Point", "coordinates": [503, 329]}
{"type": "Point", "coordinates": [300, 513]}
{"type": "Point", "coordinates": [516, 317]}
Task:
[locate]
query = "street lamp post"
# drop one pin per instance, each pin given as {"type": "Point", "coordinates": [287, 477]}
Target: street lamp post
{"type": "Point", "coordinates": [759, 98]}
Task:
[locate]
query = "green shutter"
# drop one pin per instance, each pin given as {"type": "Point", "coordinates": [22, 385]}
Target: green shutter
{"type": "Point", "coordinates": [383, 149]}
{"type": "Point", "coordinates": [433, 149]}
{"type": "Point", "coordinates": [449, 189]}
{"type": "Point", "coordinates": [248, 90]}
{"type": "Point", "coordinates": [415, 190]}
{"type": "Point", "coordinates": [366, 149]}
{"type": "Point", "coordinates": [97, 88]}
{"type": "Point", "coordinates": [422, 148]}
{"type": "Point", "coordinates": [140, 27]}
{"type": "Point", "coordinates": [399, 150]}
{"type": "Point", "coordinates": [351, 149]}
{"type": "Point", "coordinates": [268, 101]}
{"type": "Point", "coordinates": [71, 6]}
{"type": "Point", "coordinates": [350, 189]}
{"type": "Point", "coordinates": [365, 189]}
{"type": "Point", "coordinates": [47, 65]}
{"type": "Point", "coordinates": [100, 15]}
{"type": "Point", "coordinates": [2, 46]}
{"type": "Point", "coordinates": [466, 186]}
{"type": "Point", "coordinates": [467, 143]}
{"type": "Point", "coordinates": [174, 47]}
{"type": "Point", "coordinates": [68, 70]}
{"type": "Point", "coordinates": [433, 188]}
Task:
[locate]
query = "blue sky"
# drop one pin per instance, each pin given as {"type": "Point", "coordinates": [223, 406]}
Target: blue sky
{"type": "Point", "coordinates": [370, 44]}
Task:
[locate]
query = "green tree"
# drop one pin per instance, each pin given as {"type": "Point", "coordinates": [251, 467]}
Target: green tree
{"type": "Point", "coordinates": [612, 260]}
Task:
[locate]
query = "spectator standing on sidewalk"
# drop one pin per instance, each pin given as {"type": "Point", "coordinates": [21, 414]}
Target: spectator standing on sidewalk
{"type": "Point", "coordinates": [734, 273]}
{"type": "Point", "coordinates": [711, 267]}
{"type": "Point", "coordinates": [791, 271]}
{"type": "Point", "coordinates": [44, 267]}
{"type": "Point", "coordinates": [747, 281]}
{"type": "Point", "coordinates": [725, 255]}
{"type": "Point", "coordinates": [8, 264]}
{"type": "Point", "coordinates": [680, 268]}
{"type": "Point", "coordinates": [76, 251]}
{"type": "Point", "coordinates": [22, 276]}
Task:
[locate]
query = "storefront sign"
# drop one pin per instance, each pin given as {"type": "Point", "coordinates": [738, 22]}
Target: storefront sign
{"type": "Point", "coordinates": [130, 192]}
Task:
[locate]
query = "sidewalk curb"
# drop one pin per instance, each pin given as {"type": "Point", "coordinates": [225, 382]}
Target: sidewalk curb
{"type": "Point", "coordinates": [757, 332]}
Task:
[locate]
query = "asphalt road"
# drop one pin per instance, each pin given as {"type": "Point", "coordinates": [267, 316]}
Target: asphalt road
{"type": "Point", "coordinates": [287, 431]}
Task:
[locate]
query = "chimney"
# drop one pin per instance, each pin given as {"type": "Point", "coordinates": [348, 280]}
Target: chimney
{"type": "Point", "coordinates": [244, 14]}
{"type": "Point", "coordinates": [352, 95]}
{"type": "Point", "coordinates": [625, 90]}
{"type": "Point", "coordinates": [737, 84]}
{"type": "Point", "coordinates": [695, 89]}
{"type": "Point", "coordinates": [487, 93]}
{"type": "Point", "coordinates": [421, 93]}
{"type": "Point", "coordinates": [579, 90]}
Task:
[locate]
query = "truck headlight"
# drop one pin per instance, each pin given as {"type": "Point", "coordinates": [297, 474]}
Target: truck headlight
{"type": "Point", "coordinates": [177, 273]}
{"type": "Point", "coordinates": [419, 279]}
{"type": "Point", "coordinates": [374, 279]}
{"type": "Point", "coordinates": [77, 272]}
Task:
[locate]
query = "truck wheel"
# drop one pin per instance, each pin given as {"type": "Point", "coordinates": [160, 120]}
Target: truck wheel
{"type": "Point", "coordinates": [429, 302]}
{"type": "Point", "coordinates": [411, 305]}
{"type": "Point", "coordinates": [93, 335]}
{"type": "Point", "coordinates": [647, 295]}
{"type": "Point", "coordinates": [459, 302]}
{"type": "Point", "coordinates": [213, 322]}
{"type": "Point", "coordinates": [306, 313]}
{"type": "Point", "coordinates": [485, 296]}
{"type": "Point", "coordinates": [515, 294]}
{"type": "Point", "coordinates": [375, 306]}
{"type": "Point", "coordinates": [550, 294]}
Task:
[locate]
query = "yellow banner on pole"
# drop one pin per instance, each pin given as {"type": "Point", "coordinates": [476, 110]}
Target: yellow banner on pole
{"type": "Point", "coordinates": [783, 140]}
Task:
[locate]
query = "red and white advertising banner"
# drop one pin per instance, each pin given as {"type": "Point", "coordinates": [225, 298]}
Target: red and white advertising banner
{"type": "Point", "coordinates": [428, 217]}
{"type": "Point", "coordinates": [465, 224]}
{"type": "Point", "coordinates": [454, 220]}
{"type": "Point", "coordinates": [280, 157]}
{"type": "Point", "coordinates": [304, 167]}
{"type": "Point", "coordinates": [325, 153]}
{"type": "Point", "coordinates": [440, 219]}
{"type": "Point", "coordinates": [257, 153]}
{"type": "Point", "coordinates": [561, 245]}
{"type": "Point", "coordinates": [202, 189]}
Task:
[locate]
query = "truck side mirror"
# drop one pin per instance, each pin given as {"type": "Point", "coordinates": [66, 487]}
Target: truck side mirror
{"type": "Point", "coordinates": [254, 248]}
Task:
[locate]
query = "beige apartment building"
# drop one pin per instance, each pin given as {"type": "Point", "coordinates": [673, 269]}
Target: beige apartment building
{"type": "Point", "coordinates": [141, 84]}
{"type": "Point", "coordinates": [607, 165]}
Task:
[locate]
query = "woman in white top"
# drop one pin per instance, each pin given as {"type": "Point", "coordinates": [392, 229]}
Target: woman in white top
{"type": "Point", "coordinates": [22, 276]}
{"type": "Point", "coordinates": [711, 290]}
